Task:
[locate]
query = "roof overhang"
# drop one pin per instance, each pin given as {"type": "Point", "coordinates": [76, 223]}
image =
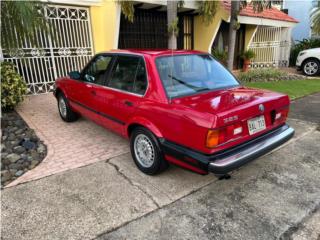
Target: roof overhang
{"type": "Point", "coordinates": [161, 6]}
{"type": "Point", "coordinates": [264, 22]}
{"type": "Point", "coordinates": [187, 4]}
{"type": "Point", "coordinates": [75, 2]}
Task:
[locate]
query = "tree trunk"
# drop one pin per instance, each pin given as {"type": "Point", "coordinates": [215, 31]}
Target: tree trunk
{"type": "Point", "coordinates": [171, 16]}
{"type": "Point", "coordinates": [235, 6]}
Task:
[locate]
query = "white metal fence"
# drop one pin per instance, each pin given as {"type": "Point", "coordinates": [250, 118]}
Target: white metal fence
{"type": "Point", "coordinates": [271, 46]}
{"type": "Point", "coordinates": [70, 48]}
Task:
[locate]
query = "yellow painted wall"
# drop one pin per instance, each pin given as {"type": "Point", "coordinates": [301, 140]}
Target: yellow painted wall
{"type": "Point", "coordinates": [250, 30]}
{"type": "Point", "coordinates": [104, 22]}
{"type": "Point", "coordinates": [203, 33]}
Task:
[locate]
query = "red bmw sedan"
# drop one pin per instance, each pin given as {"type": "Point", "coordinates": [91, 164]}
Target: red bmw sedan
{"type": "Point", "coordinates": [180, 107]}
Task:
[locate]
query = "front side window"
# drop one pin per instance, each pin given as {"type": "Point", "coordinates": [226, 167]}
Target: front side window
{"type": "Point", "coordinates": [96, 70]}
{"type": "Point", "coordinates": [129, 74]}
{"type": "Point", "coordinates": [189, 74]}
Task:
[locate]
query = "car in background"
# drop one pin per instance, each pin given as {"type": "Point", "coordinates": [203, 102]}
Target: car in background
{"type": "Point", "coordinates": [309, 61]}
{"type": "Point", "coordinates": [180, 107]}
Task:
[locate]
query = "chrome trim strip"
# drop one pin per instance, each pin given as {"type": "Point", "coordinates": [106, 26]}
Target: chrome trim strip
{"type": "Point", "coordinates": [255, 149]}
{"type": "Point", "coordinates": [115, 89]}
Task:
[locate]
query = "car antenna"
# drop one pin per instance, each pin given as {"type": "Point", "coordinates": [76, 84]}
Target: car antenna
{"type": "Point", "coordinates": [171, 73]}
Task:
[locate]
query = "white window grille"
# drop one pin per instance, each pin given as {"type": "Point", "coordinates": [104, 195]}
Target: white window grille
{"type": "Point", "coordinates": [70, 49]}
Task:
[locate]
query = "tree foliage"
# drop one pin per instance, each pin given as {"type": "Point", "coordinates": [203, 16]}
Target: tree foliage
{"type": "Point", "coordinates": [207, 10]}
{"type": "Point", "coordinates": [127, 8]}
{"type": "Point", "coordinates": [315, 17]}
{"type": "Point", "coordinates": [173, 27]}
{"type": "Point", "coordinates": [19, 19]}
{"type": "Point", "coordinates": [258, 5]}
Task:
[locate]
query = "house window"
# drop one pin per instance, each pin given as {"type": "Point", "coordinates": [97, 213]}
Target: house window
{"type": "Point", "coordinates": [185, 38]}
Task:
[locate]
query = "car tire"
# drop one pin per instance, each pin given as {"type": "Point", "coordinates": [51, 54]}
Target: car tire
{"type": "Point", "coordinates": [65, 110]}
{"type": "Point", "coordinates": [311, 67]}
{"type": "Point", "coordinates": [146, 152]}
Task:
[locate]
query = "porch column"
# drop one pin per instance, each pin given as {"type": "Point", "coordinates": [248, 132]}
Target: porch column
{"type": "Point", "coordinates": [204, 35]}
{"type": "Point", "coordinates": [250, 32]}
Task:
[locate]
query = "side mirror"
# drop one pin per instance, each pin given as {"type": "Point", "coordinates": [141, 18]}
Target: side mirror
{"type": "Point", "coordinates": [74, 75]}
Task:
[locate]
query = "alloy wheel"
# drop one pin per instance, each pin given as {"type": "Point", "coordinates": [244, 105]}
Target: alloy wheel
{"type": "Point", "coordinates": [144, 150]}
{"type": "Point", "coordinates": [62, 107]}
{"type": "Point", "coordinates": [311, 68]}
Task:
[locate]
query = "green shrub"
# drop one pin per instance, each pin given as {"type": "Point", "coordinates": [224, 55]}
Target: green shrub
{"type": "Point", "coordinates": [220, 55]}
{"type": "Point", "coordinates": [13, 86]}
{"type": "Point", "coordinates": [248, 55]}
{"type": "Point", "coordinates": [264, 75]}
{"type": "Point", "coordinates": [302, 45]}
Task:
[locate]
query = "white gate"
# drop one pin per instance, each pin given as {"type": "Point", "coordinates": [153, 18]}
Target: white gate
{"type": "Point", "coordinates": [271, 46]}
{"type": "Point", "coordinates": [70, 48]}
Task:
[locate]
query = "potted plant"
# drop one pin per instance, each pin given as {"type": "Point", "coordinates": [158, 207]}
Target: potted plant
{"type": "Point", "coordinates": [247, 56]}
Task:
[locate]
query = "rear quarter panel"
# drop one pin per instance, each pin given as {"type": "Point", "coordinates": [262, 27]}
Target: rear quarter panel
{"type": "Point", "coordinates": [175, 123]}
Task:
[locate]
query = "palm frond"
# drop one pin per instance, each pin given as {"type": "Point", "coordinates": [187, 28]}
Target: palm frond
{"type": "Point", "coordinates": [127, 8]}
{"type": "Point", "coordinates": [20, 22]}
{"type": "Point", "coordinates": [207, 10]}
{"type": "Point", "coordinates": [315, 18]}
{"type": "Point", "coordinates": [260, 5]}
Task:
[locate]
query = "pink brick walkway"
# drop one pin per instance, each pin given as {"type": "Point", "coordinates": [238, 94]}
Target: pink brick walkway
{"type": "Point", "coordinates": [70, 145]}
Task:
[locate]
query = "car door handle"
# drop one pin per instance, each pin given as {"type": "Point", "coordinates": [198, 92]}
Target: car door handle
{"type": "Point", "coordinates": [93, 93]}
{"type": "Point", "coordinates": [128, 103]}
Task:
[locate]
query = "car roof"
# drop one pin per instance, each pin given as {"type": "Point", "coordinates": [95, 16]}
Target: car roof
{"type": "Point", "coordinates": [155, 52]}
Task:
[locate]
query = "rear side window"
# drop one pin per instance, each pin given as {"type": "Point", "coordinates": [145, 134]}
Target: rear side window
{"type": "Point", "coordinates": [140, 84]}
{"type": "Point", "coordinates": [129, 74]}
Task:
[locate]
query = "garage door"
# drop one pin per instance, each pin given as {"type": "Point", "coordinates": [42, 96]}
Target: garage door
{"type": "Point", "coordinates": [70, 48]}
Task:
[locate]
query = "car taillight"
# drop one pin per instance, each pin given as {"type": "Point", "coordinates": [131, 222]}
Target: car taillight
{"type": "Point", "coordinates": [281, 115]}
{"type": "Point", "coordinates": [213, 138]}
{"type": "Point", "coordinates": [219, 136]}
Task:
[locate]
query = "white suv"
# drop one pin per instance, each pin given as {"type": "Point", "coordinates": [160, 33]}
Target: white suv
{"type": "Point", "coordinates": [309, 61]}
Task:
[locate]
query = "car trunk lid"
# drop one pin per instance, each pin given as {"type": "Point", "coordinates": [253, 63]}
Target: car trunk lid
{"type": "Point", "coordinates": [237, 104]}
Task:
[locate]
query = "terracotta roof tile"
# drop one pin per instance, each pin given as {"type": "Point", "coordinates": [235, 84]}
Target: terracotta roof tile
{"type": "Point", "coordinates": [272, 13]}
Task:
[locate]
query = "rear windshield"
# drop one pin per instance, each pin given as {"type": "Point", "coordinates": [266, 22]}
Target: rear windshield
{"type": "Point", "coordinates": [189, 74]}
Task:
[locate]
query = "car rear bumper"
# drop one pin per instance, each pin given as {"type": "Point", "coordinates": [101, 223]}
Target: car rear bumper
{"type": "Point", "coordinates": [230, 159]}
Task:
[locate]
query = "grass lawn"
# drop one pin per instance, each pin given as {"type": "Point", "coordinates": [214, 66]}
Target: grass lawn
{"type": "Point", "coordinates": [294, 88]}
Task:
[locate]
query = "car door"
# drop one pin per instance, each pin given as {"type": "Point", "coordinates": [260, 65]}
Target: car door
{"type": "Point", "coordinates": [84, 94]}
{"type": "Point", "coordinates": [126, 85]}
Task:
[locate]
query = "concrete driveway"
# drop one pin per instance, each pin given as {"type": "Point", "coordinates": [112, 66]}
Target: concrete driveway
{"type": "Point", "coordinates": [276, 196]}
{"type": "Point", "coordinates": [70, 145]}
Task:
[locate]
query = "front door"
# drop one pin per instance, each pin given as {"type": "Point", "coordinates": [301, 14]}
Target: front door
{"type": "Point", "coordinates": [126, 86]}
{"type": "Point", "coordinates": [239, 47]}
{"type": "Point", "coordinates": [83, 93]}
